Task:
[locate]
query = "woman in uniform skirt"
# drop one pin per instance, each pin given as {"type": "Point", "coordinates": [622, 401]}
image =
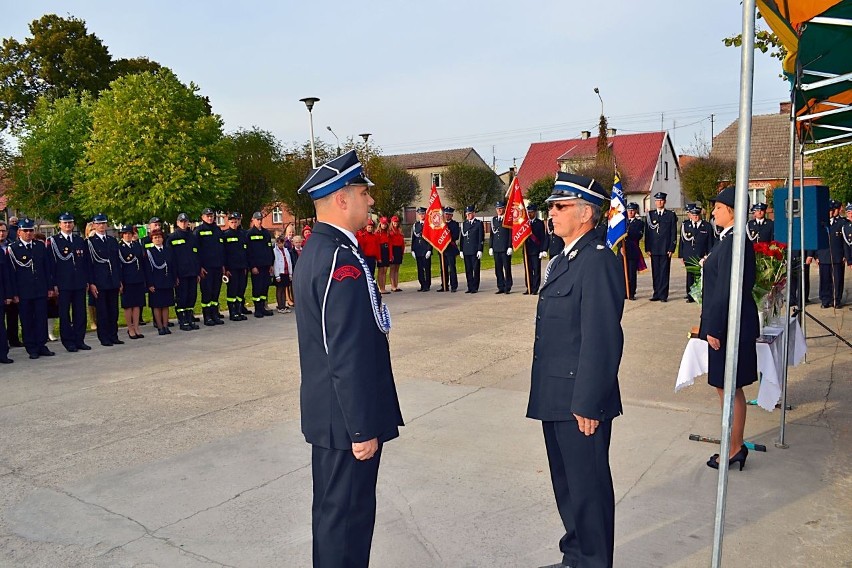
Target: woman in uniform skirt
{"type": "Point", "coordinates": [132, 257]}
{"type": "Point", "coordinates": [385, 253]}
{"type": "Point", "coordinates": [716, 296]}
{"type": "Point", "coordinates": [397, 245]}
{"type": "Point", "coordinates": [160, 281]}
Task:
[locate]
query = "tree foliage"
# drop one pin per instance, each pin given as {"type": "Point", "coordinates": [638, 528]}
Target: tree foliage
{"type": "Point", "coordinates": [467, 184]}
{"type": "Point", "coordinates": [835, 169]}
{"type": "Point", "coordinates": [257, 158]}
{"type": "Point", "coordinates": [294, 171]}
{"type": "Point", "coordinates": [154, 149]}
{"type": "Point", "coordinates": [701, 177]}
{"type": "Point", "coordinates": [540, 190]}
{"type": "Point", "coordinates": [60, 57]}
{"type": "Point", "coordinates": [53, 142]}
{"type": "Point", "coordinates": [395, 188]}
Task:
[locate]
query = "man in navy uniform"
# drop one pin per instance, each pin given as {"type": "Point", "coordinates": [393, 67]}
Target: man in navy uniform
{"type": "Point", "coordinates": [421, 250]}
{"type": "Point", "coordinates": [6, 297]}
{"type": "Point", "coordinates": [831, 260]}
{"type": "Point", "coordinates": [211, 257]}
{"type": "Point", "coordinates": [11, 308]}
{"type": "Point", "coordinates": [105, 280]}
{"type": "Point", "coordinates": [660, 242]}
{"type": "Point", "coordinates": [760, 229]}
{"type": "Point", "coordinates": [576, 355]}
{"type": "Point", "coordinates": [631, 248]}
{"type": "Point", "coordinates": [847, 234]}
{"type": "Point", "coordinates": [236, 266]}
{"type": "Point", "coordinates": [500, 247]}
{"type": "Point", "coordinates": [535, 248]}
{"type": "Point", "coordinates": [261, 257]}
{"type": "Point", "coordinates": [71, 282]}
{"type": "Point", "coordinates": [32, 285]}
{"type": "Point", "coordinates": [348, 397]}
{"type": "Point", "coordinates": [696, 238]}
{"type": "Point", "coordinates": [471, 242]}
{"type": "Point", "coordinates": [184, 246]}
{"type": "Point", "coordinates": [449, 276]}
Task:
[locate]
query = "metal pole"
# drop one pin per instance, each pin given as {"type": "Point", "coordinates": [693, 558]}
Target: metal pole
{"type": "Point", "coordinates": [802, 231]}
{"type": "Point", "coordinates": [313, 150]}
{"type": "Point", "coordinates": [739, 236]}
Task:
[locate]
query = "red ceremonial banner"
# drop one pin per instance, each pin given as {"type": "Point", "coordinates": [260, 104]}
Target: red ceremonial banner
{"type": "Point", "coordinates": [435, 229]}
{"type": "Point", "coordinates": [516, 218]}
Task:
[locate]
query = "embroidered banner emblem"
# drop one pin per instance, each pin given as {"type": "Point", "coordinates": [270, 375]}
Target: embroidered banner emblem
{"type": "Point", "coordinates": [347, 271]}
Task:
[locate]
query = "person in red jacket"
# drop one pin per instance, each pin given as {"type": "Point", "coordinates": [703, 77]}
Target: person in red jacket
{"type": "Point", "coordinates": [385, 254]}
{"type": "Point", "coordinates": [397, 246]}
{"type": "Point", "coordinates": [369, 245]}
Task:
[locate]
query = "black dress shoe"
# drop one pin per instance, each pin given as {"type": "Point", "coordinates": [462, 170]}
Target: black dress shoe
{"type": "Point", "coordinates": [117, 342]}
{"type": "Point", "coordinates": [71, 348]}
{"type": "Point", "coordinates": [439, 290]}
{"type": "Point", "coordinates": [467, 291]}
{"type": "Point", "coordinates": [690, 301]}
{"type": "Point", "coordinates": [825, 306]}
{"type": "Point", "coordinates": [474, 291]}
{"type": "Point", "coordinates": [45, 352]}
{"type": "Point", "coordinates": [33, 355]}
{"type": "Point", "coordinates": [655, 299]}
{"type": "Point", "coordinates": [106, 343]}
{"type": "Point", "coordinates": [163, 331]}
{"type": "Point", "coordinates": [15, 344]}
{"type": "Point", "coordinates": [664, 300]}
{"type": "Point", "coordinates": [84, 347]}
{"type": "Point", "coordinates": [6, 361]}
{"type": "Point", "coordinates": [632, 297]}
{"type": "Point", "coordinates": [454, 290]}
{"type": "Point", "coordinates": [508, 291]}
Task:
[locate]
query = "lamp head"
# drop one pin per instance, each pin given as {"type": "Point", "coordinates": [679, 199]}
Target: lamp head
{"type": "Point", "coordinates": [309, 102]}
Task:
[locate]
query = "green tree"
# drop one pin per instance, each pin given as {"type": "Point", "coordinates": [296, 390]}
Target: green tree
{"type": "Point", "coordinates": [294, 171]}
{"type": "Point", "coordinates": [538, 191]}
{"type": "Point", "coordinates": [466, 184]}
{"type": "Point", "coordinates": [701, 177]}
{"type": "Point", "coordinates": [130, 66]}
{"type": "Point", "coordinates": [52, 143]}
{"type": "Point", "coordinates": [257, 157]}
{"type": "Point", "coordinates": [835, 169]}
{"type": "Point", "coordinates": [154, 149]}
{"type": "Point", "coordinates": [395, 188]}
{"type": "Point", "coordinates": [61, 56]}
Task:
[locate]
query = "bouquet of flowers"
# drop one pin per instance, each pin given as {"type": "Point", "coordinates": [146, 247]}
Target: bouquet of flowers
{"type": "Point", "coordinates": [771, 264]}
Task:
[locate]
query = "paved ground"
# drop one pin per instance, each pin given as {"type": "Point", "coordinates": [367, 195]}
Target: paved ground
{"type": "Point", "coordinates": [185, 451]}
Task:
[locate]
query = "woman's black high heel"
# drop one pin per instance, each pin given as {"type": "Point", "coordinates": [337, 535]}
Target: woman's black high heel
{"type": "Point", "coordinates": [740, 457]}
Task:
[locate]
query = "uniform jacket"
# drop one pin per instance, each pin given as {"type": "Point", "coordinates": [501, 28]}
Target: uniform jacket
{"type": "Point", "coordinates": [835, 252]}
{"type": "Point", "coordinates": [472, 237]}
{"type": "Point", "coordinates": [236, 245]}
{"type": "Point", "coordinates": [184, 247]}
{"type": "Point", "coordinates": [159, 268]}
{"type": "Point", "coordinates": [501, 237]}
{"type": "Point", "coordinates": [846, 231]}
{"type": "Point", "coordinates": [419, 245]}
{"type": "Point", "coordinates": [211, 247]}
{"type": "Point", "coordinates": [132, 258]}
{"type": "Point", "coordinates": [695, 239]}
{"type": "Point", "coordinates": [70, 259]}
{"type": "Point", "coordinates": [396, 238]}
{"type": "Point", "coordinates": [555, 244]}
{"type": "Point", "coordinates": [5, 279]}
{"type": "Point", "coordinates": [105, 267]}
{"type": "Point", "coordinates": [368, 242]}
{"type": "Point", "coordinates": [661, 232]}
{"type": "Point", "coordinates": [260, 248]}
{"type": "Point", "coordinates": [578, 336]}
{"type": "Point", "coordinates": [455, 231]}
{"type": "Point", "coordinates": [347, 392]}
{"type": "Point", "coordinates": [32, 270]}
{"type": "Point", "coordinates": [635, 232]}
{"type": "Point", "coordinates": [537, 241]}
{"type": "Point", "coordinates": [762, 232]}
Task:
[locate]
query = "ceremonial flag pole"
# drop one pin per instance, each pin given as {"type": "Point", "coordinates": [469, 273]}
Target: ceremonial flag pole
{"type": "Point", "coordinates": [518, 222]}
{"type": "Point", "coordinates": [435, 230]}
{"type": "Point", "coordinates": [617, 225]}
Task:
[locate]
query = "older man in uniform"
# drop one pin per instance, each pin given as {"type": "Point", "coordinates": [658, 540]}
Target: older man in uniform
{"type": "Point", "coordinates": [576, 355]}
{"type": "Point", "coordinates": [660, 242]}
{"type": "Point", "coordinates": [32, 285]}
{"type": "Point", "coordinates": [449, 276]}
{"type": "Point", "coordinates": [535, 248]}
{"type": "Point", "coordinates": [105, 280]}
{"type": "Point", "coordinates": [421, 250]}
{"type": "Point", "coordinates": [471, 242]}
{"type": "Point", "coordinates": [831, 260]}
{"type": "Point", "coordinates": [211, 257]}
{"type": "Point", "coordinates": [184, 246]}
{"type": "Point", "coordinates": [6, 297]}
{"type": "Point", "coordinates": [349, 401]}
{"type": "Point", "coordinates": [760, 229]}
{"type": "Point", "coordinates": [500, 247]}
{"type": "Point", "coordinates": [261, 257]}
{"type": "Point", "coordinates": [11, 308]}
{"type": "Point", "coordinates": [631, 249]}
{"type": "Point", "coordinates": [696, 238]}
{"type": "Point", "coordinates": [71, 279]}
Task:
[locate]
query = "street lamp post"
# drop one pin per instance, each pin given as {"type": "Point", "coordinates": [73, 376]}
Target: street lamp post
{"type": "Point", "coordinates": [336, 138]}
{"type": "Point", "coordinates": [365, 136]}
{"type": "Point", "coordinates": [598, 93]}
{"type": "Point", "coordinates": [309, 103]}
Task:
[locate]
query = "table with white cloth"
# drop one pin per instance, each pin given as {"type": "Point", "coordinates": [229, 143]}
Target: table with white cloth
{"type": "Point", "coordinates": [770, 363]}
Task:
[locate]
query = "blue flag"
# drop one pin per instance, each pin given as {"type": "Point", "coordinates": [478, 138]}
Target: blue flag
{"type": "Point", "coordinates": [617, 222]}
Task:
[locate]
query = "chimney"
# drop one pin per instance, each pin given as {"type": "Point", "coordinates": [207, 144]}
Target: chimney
{"type": "Point", "coordinates": [585, 134]}
{"type": "Point", "coordinates": [785, 108]}
{"type": "Point", "coordinates": [610, 132]}
{"type": "Point", "coordinates": [511, 173]}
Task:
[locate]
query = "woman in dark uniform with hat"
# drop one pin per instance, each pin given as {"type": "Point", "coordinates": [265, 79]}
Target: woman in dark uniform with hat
{"type": "Point", "coordinates": [160, 281]}
{"type": "Point", "coordinates": [716, 296]}
{"type": "Point", "coordinates": [132, 256]}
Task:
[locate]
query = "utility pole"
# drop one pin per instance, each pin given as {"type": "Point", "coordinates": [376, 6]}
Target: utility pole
{"type": "Point", "coordinates": [712, 118]}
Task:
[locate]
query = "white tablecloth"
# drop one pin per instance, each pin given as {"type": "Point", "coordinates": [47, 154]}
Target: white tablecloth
{"type": "Point", "coordinates": [769, 362]}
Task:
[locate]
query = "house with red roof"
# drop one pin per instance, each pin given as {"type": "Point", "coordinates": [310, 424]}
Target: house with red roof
{"type": "Point", "coordinates": [647, 161]}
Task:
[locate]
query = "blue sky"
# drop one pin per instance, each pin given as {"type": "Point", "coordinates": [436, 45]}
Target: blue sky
{"type": "Point", "coordinates": [441, 74]}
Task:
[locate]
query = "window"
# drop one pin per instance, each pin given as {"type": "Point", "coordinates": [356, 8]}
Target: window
{"type": "Point", "coordinates": [277, 215]}
{"type": "Point", "coordinates": [409, 215]}
{"type": "Point", "coordinates": [438, 180]}
{"type": "Point", "coordinates": [666, 169]}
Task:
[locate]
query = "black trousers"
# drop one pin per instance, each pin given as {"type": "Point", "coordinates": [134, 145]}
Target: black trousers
{"type": "Point", "coordinates": [424, 272]}
{"type": "Point", "coordinates": [532, 274]}
{"type": "Point", "coordinates": [582, 485]}
{"type": "Point", "coordinates": [449, 275]}
{"type": "Point", "coordinates": [260, 284]}
{"type": "Point", "coordinates": [12, 324]}
{"type": "Point", "coordinates": [831, 283]}
{"type": "Point", "coordinates": [471, 272]}
{"type": "Point", "coordinates": [503, 270]}
{"type": "Point", "coordinates": [72, 317]}
{"type": "Point", "coordinates": [661, 267]}
{"type": "Point", "coordinates": [690, 280]}
{"type": "Point", "coordinates": [4, 345]}
{"type": "Point", "coordinates": [33, 314]}
{"type": "Point", "coordinates": [211, 286]}
{"type": "Point", "coordinates": [237, 285]}
{"type": "Point", "coordinates": [186, 292]}
{"type": "Point", "coordinates": [632, 269]}
{"type": "Point", "coordinates": [344, 508]}
{"type": "Point", "coordinates": [106, 306]}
